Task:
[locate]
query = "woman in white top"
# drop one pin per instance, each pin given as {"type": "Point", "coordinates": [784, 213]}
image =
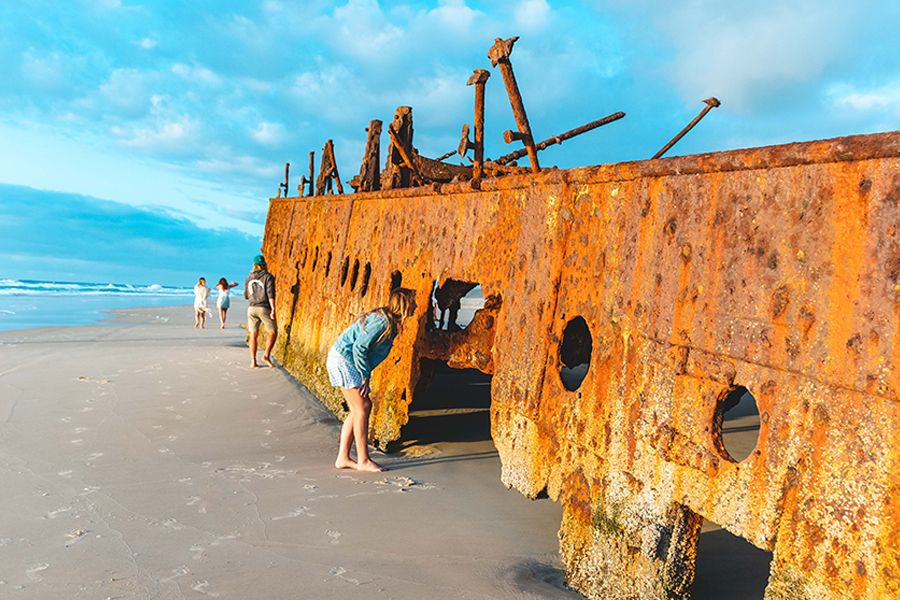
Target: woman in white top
{"type": "Point", "coordinates": [224, 299]}
{"type": "Point", "coordinates": [201, 297]}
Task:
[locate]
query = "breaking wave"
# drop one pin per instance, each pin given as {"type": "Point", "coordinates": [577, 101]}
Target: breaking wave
{"type": "Point", "coordinates": [27, 287]}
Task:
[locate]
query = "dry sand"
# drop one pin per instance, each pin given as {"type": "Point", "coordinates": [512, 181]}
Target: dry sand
{"type": "Point", "coordinates": [144, 459]}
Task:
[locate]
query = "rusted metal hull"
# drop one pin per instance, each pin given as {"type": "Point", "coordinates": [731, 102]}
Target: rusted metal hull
{"type": "Point", "coordinates": [775, 268]}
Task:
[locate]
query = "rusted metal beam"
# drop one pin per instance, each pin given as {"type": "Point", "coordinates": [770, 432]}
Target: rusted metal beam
{"type": "Point", "coordinates": [284, 186]}
{"type": "Point", "coordinates": [499, 55]}
{"type": "Point", "coordinates": [369, 178]}
{"type": "Point", "coordinates": [479, 79]}
{"type": "Point", "coordinates": [559, 139]}
{"type": "Point", "coordinates": [328, 172]}
{"type": "Point", "coordinates": [397, 173]}
{"type": "Point", "coordinates": [308, 181]}
{"type": "Point", "coordinates": [404, 156]}
{"type": "Point", "coordinates": [711, 103]}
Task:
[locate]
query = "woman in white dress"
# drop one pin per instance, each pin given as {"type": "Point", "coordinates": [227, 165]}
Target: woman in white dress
{"type": "Point", "coordinates": [224, 299]}
{"type": "Point", "coordinates": [201, 297]}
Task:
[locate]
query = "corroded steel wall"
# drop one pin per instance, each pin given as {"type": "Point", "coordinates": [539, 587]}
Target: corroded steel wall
{"type": "Point", "coordinates": [777, 269]}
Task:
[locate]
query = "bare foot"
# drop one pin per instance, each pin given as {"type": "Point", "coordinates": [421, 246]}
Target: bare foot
{"type": "Point", "coordinates": [344, 464]}
{"type": "Point", "coordinates": [222, 327]}
{"type": "Point", "coordinates": [369, 466]}
{"type": "Point", "coordinates": [254, 365]}
{"type": "Point", "coordinates": [269, 362]}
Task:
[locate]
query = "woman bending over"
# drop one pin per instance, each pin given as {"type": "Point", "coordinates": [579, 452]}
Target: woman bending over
{"type": "Point", "coordinates": [358, 350]}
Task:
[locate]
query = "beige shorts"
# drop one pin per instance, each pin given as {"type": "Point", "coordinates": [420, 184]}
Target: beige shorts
{"type": "Point", "coordinates": [257, 314]}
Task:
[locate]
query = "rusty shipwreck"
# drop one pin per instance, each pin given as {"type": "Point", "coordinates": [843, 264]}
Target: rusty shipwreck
{"type": "Point", "coordinates": [676, 283]}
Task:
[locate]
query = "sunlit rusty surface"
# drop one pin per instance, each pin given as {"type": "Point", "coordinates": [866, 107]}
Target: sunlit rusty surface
{"type": "Point", "coordinates": [776, 268]}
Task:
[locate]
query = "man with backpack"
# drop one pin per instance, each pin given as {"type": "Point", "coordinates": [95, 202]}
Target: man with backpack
{"type": "Point", "coordinates": [259, 290]}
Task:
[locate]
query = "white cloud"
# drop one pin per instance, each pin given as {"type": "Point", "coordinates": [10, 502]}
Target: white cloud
{"type": "Point", "coordinates": [196, 73]}
{"type": "Point", "coordinates": [168, 135]}
{"type": "Point", "coordinates": [239, 165]}
{"type": "Point", "coordinates": [365, 32]}
{"type": "Point", "coordinates": [147, 43]}
{"type": "Point", "coordinates": [43, 70]}
{"type": "Point", "coordinates": [746, 53]}
{"type": "Point", "coordinates": [125, 90]}
{"type": "Point", "coordinates": [532, 15]}
{"type": "Point", "coordinates": [455, 14]}
{"type": "Point", "coordinates": [885, 98]}
{"type": "Point", "coordinates": [268, 133]}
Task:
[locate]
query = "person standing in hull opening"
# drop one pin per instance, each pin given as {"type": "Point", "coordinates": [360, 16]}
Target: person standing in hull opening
{"type": "Point", "coordinates": [358, 350]}
{"type": "Point", "coordinates": [259, 290]}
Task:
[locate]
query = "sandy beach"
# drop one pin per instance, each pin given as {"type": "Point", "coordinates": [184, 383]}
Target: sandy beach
{"type": "Point", "coordinates": [141, 458]}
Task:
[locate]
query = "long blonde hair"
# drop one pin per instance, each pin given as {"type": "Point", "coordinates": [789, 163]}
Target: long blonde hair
{"type": "Point", "coordinates": [397, 308]}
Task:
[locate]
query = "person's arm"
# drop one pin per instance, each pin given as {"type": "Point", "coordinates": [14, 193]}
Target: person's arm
{"type": "Point", "coordinates": [374, 328]}
{"type": "Point", "coordinates": [234, 284]}
{"type": "Point", "coordinates": [270, 293]}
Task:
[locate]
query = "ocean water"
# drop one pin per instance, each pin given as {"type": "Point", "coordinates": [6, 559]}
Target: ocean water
{"type": "Point", "coordinates": [26, 304]}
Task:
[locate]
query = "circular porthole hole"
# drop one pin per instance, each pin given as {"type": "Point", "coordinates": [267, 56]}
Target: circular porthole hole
{"type": "Point", "coordinates": [736, 423]}
{"type": "Point", "coordinates": [575, 353]}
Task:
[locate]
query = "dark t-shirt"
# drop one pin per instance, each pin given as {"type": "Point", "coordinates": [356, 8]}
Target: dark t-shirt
{"type": "Point", "coordinates": [259, 288]}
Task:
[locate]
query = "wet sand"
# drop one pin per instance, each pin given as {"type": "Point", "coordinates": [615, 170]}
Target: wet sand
{"type": "Point", "coordinates": [144, 459]}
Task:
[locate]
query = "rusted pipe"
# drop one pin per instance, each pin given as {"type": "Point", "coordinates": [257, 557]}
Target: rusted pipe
{"type": "Point", "coordinates": [711, 103]}
{"type": "Point", "coordinates": [499, 55]}
{"type": "Point", "coordinates": [559, 139]}
{"type": "Point", "coordinates": [479, 79]}
{"type": "Point", "coordinates": [407, 159]}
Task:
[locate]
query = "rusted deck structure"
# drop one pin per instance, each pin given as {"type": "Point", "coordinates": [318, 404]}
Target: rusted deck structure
{"type": "Point", "coordinates": [773, 269]}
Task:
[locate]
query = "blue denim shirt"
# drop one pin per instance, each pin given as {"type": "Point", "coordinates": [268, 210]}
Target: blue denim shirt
{"type": "Point", "coordinates": [359, 347]}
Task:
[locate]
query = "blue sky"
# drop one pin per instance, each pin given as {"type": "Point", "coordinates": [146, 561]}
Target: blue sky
{"type": "Point", "coordinates": [188, 110]}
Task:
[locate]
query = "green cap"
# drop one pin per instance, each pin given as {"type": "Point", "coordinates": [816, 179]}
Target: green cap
{"type": "Point", "coordinates": [259, 259]}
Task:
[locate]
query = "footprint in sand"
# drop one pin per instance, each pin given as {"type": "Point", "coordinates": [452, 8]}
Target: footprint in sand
{"type": "Point", "coordinates": [201, 587]}
{"type": "Point", "coordinates": [310, 487]}
{"type": "Point", "coordinates": [157, 426]}
{"type": "Point", "coordinates": [333, 536]}
{"type": "Point", "coordinates": [53, 513]}
{"type": "Point", "coordinates": [67, 473]}
{"type": "Point", "coordinates": [300, 510]}
{"type": "Point", "coordinates": [78, 430]}
{"type": "Point", "coordinates": [94, 455]}
{"type": "Point", "coordinates": [172, 524]}
{"type": "Point", "coordinates": [78, 442]}
{"type": "Point", "coordinates": [176, 573]}
{"type": "Point", "coordinates": [76, 535]}
{"type": "Point", "coordinates": [192, 500]}
{"type": "Point", "coordinates": [34, 573]}
{"type": "Point", "coordinates": [280, 458]}
{"type": "Point", "coordinates": [338, 573]}
{"type": "Point", "coordinates": [66, 419]}
{"type": "Point", "coordinates": [198, 551]}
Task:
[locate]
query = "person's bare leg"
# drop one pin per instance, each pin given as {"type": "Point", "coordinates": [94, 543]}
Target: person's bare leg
{"type": "Point", "coordinates": [253, 363]}
{"type": "Point", "coordinates": [270, 343]}
{"type": "Point", "coordinates": [221, 318]}
{"type": "Point", "coordinates": [360, 408]}
{"type": "Point", "coordinates": [196, 318]}
{"type": "Point", "coordinates": [343, 460]}
{"type": "Point", "coordinates": [203, 319]}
